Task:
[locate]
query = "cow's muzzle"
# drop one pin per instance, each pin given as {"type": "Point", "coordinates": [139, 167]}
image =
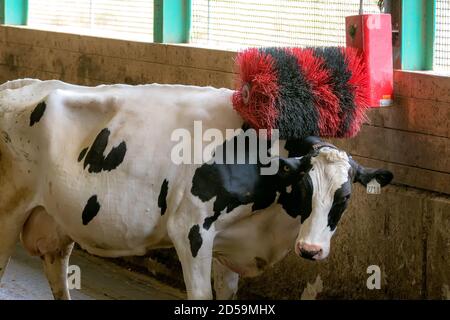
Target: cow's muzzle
{"type": "Point", "coordinates": [309, 251]}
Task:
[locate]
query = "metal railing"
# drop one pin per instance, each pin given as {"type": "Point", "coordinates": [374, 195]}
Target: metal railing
{"type": "Point", "coordinates": [113, 16]}
{"type": "Point", "coordinates": [442, 40]}
{"type": "Point", "coordinates": [240, 23]}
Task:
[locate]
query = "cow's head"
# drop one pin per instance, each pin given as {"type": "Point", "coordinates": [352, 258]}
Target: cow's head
{"type": "Point", "coordinates": [318, 188]}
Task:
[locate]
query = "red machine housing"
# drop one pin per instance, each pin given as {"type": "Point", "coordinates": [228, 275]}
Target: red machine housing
{"type": "Point", "coordinates": [372, 34]}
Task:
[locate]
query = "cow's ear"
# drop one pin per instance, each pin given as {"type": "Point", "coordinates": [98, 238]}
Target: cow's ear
{"type": "Point", "coordinates": [364, 175]}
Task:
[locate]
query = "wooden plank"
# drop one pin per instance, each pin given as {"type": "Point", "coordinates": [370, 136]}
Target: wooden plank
{"type": "Point", "coordinates": [2, 34]}
{"type": "Point", "coordinates": [74, 66]}
{"type": "Point", "coordinates": [430, 86]}
{"type": "Point", "coordinates": [178, 55]}
{"type": "Point", "coordinates": [400, 147]}
{"type": "Point", "coordinates": [145, 72]}
{"type": "Point", "coordinates": [199, 77]}
{"type": "Point", "coordinates": [142, 51]}
{"type": "Point", "coordinates": [402, 83]}
{"type": "Point", "coordinates": [422, 85]}
{"type": "Point", "coordinates": [25, 72]}
{"type": "Point", "coordinates": [437, 212]}
{"type": "Point", "coordinates": [101, 68]}
{"type": "Point", "coordinates": [410, 176]}
{"type": "Point", "coordinates": [217, 60]}
{"type": "Point", "coordinates": [39, 58]}
{"type": "Point", "coordinates": [6, 74]}
{"type": "Point", "coordinates": [120, 70]}
{"type": "Point", "coordinates": [41, 38]}
{"type": "Point", "coordinates": [139, 72]}
{"type": "Point", "coordinates": [415, 115]}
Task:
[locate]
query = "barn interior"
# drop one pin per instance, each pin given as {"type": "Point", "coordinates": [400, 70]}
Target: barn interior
{"type": "Point", "coordinates": [404, 230]}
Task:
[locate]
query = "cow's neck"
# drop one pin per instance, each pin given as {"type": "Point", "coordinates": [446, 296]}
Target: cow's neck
{"type": "Point", "coordinates": [257, 241]}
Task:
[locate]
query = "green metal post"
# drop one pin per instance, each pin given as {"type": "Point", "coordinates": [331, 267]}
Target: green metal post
{"type": "Point", "coordinates": [172, 21]}
{"type": "Point", "coordinates": [417, 34]}
{"type": "Point", "coordinates": [14, 12]}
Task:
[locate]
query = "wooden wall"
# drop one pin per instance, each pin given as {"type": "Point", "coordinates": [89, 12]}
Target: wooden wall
{"type": "Point", "coordinates": [412, 137]}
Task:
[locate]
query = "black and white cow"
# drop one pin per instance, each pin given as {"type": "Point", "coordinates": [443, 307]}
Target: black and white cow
{"type": "Point", "coordinates": [93, 165]}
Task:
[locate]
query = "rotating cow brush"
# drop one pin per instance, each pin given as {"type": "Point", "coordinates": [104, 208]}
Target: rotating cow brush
{"type": "Point", "coordinates": [301, 92]}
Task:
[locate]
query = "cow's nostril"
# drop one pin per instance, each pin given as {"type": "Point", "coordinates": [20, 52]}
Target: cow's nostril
{"type": "Point", "coordinates": [309, 254]}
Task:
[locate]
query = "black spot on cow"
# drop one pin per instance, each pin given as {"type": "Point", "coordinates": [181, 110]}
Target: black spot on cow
{"type": "Point", "coordinates": [90, 210]}
{"type": "Point", "coordinates": [162, 201]}
{"type": "Point", "coordinates": [95, 158]}
{"type": "Point", "coordinates": [195, 239]}
{"type": "Point", "coordinates": [340, 202]}
{"type": "Point", "coordinates": [234, 184]}
{"type": "Point", "coordinates": [37, 113]}
{"type": "Point", "coordinates": [297, 202]}
{"type": "Point", "coordinates": [82, 154]}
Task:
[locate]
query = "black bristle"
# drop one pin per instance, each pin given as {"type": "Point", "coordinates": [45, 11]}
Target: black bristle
{"type": "Point", "coordinates": [298, 116]}
{"type": "Point", "coordinates": [340, 75]}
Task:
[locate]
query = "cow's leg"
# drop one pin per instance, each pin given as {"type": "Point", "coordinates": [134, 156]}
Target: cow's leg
{"type": "Point", "coordinates": [225, 281]}
{"type": "Point", "coordinates": [55, 267]}
{"type": "Point", "coordinates": [14, 210]}
{"type": "Point", "coordinates": [9, 236]}
{"type": "Point", "coordinates": [42, 237]}
{"type": "Point", "coordinates": [194, 247]}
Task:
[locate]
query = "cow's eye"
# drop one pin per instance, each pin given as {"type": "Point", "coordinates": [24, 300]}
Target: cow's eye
{"type": "Point", "coordinates": [342, 200]}
{"type": "Point", "coordinates": [286, 168]}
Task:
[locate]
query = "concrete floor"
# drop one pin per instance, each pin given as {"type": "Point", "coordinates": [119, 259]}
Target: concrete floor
{"type": "Point", "coordinates": [100, 280]}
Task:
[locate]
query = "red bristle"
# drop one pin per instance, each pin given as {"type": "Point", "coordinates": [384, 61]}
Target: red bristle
{"type": "Point", "coordinates": [264, 101]}
{"type": "Point", "coordinates": [359, 82]}
{"type": "Point", "coordinates": [256, 71]}
{"type": "Point", "coordinates": [325, 101]}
